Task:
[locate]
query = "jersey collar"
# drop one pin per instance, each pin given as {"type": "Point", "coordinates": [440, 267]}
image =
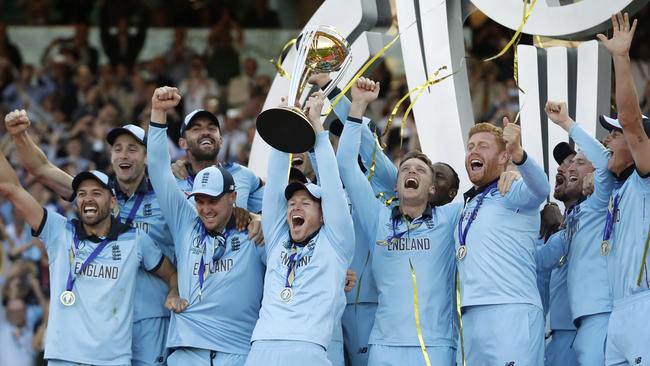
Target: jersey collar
{"type": "Point", "coordinates": [473, 192]}
{"type": "Point", "coordinates": [117, 228]}
{"type": "Point", "coordinates": [396, 213]}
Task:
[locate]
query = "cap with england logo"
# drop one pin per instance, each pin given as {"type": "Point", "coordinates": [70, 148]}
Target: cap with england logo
{"type": "Point", "coordinates": [610, 124]}
{"type": "Point", "coordinates": [95, 175]}
{"type": "Point", "coordinates": [213, 181]}
{"type": "Point", "coordinates": [133, 130]}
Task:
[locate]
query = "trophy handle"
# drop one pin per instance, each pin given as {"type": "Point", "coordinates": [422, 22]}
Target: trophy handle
{"type": "Point", "coordinates": [298, 75]}
{"type": "Point", "coordinates": [338, 76]}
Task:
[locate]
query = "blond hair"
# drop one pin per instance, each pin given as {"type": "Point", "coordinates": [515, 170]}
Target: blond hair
{"type": "Point", "coordinates": [497, 132]}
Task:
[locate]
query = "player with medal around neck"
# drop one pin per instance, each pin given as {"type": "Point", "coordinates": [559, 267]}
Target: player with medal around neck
{"type": "Point", "coordinates": [220, 268]}
{"type": "Point", "coordinates": [92, 288]}
{"type": "Point", "coordinates": [629, 218]}
{"type": "Point", "coordinates": [309, 246]}
{"type": "Point", "coordinates": [137, 205]}
{"type": "Point", "coordinates": [498, 279]}
{"type": "Point", "coordinates": [410, 236]}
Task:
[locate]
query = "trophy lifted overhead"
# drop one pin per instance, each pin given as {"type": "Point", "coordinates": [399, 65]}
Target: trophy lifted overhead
{"type": "Point", "coordinates": [320, 49]}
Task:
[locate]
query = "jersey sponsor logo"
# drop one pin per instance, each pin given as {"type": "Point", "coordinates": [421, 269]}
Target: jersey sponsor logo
{"type": "Point", "coordinates": [222, 265]}
{"type": "Point", "coordinates": [116, 252]}
{"type": "Point", "coordinates": [97, 271]}
{"type": "Point", "coordinates": [409, 244]}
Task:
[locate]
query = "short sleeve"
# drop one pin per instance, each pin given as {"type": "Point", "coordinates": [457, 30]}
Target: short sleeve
{"type": "Point", "coordinates": [150, 255]}
{"type": "Point", "coordinates": [51, 230]}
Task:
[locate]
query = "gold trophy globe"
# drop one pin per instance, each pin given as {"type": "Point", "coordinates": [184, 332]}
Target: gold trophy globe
{"type": "Point", "coordinates": [320, 49]}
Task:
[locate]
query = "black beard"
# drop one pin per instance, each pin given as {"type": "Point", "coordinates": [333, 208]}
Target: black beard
{"type": "Point", "coordinates": [202, 155]}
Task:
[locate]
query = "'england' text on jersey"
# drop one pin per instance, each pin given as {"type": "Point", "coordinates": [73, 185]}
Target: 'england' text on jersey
{"type": "Point", "coordinates": [222, 265]}
{"type": "Point", "coordinates": [97, 271]}
{"type": "Point", "coordinates": [410, 244]}
{"type": "Point", "coordinates": [302, 262]}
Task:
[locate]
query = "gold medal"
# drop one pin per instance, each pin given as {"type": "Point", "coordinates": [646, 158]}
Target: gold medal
{"type": "Point", "coordinates": [461, 253]}
{"type": "Point", "coordinates": [67, 298]}
{"type": "Point", "coordinates": [562, 261]}
{"type": "Point", "coordinates": [286, 294]}
{"type": "Point", "coordinates": [605, 247]}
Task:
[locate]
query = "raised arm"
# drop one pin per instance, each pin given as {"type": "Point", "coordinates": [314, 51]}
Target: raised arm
{"type": "Point", "coordinates": [548, 256]}
{"type": "Point", "coordinates": [592, 148]}
{"type": "Point", "coordinates": [26, 204]}
{"type": "Point", "coordinates": [535, 188]}
{"type": "Point", "coordinates": [364, 204]}
{"type": "Point", "coordinates": [33, 158]}
{"type": "Point", "coordinates": [336, 213]}
{"type": "Point", "coordinates": [173, 204]}
{"type": "Point", "coordinates": [385, 175]}
{"type": "Point", "coordinates": [629, 112]}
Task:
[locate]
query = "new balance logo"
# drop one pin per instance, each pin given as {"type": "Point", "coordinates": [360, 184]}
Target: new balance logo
{"type": "Point", "coordinates": [638, 360]}
{"type": "Point", "coordinates": [511, 363]}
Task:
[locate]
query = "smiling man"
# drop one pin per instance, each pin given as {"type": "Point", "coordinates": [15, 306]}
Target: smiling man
{"type": "Point", "coordinates": [589, 293]}
{"type": "Point", "coordinates": [413, 236]}
{"type": "Point", "coordinates": [93, 288]}
{"type": "Point", "coordinates": [495, 249]}
{"type": "Point", "coordinates": [309, 246]}
{"type": "Point", "coordinates": [137, 206]}
{"type": "Point", "coordinates": [220, 269]}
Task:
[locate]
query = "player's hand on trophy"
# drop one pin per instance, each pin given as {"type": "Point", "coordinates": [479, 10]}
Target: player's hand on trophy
{"type": "Point", "coordinates": [17, 122]}
{"type": "Point", "coordinates": [320, 79]}
{"type": "Point", "coordinates": [165, 98]}
{"type": "Point", "coordinates": [558, 112]}
{"type": "Point", "coordinates": [512, 137]}
{"type": "Point", "coordinates": [313, 108]}
{"type": "Point", "coordinates": [619, 44]}
{"type": "Point", "coordinates": [365, 91]}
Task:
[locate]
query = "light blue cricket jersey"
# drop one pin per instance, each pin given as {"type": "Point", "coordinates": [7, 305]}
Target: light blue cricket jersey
{"type": "Point", "coordinates": [559, 308]}
{"type": "Point", "coordinates": [317, 301]}
{"type": "Point", "coordinates": [247, 185]}
{"type": "Point", "coordinates": [428, 245]}
{"type": "Point", "coordinates": [223, 318]}
{"type": "Point", "coordinates": [500, 266]}
{"type": "Point", "coordinates": [629, 237]}
{"type": "Point", "coordinates": [383, 183]}
{"type": "Point", "coordinates": [587, 280]}
{"type": "Point", "coordinates": [97, 329]}
{"type": "Point", "coordinates": [150, 290]}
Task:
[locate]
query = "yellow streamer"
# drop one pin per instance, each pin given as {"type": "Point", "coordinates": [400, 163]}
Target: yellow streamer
{"type": "Point", "coordinates": [417, 316]}
{"type": "Point", "coordinates": [278, 63]}
{"type": "Point", "coordinates": [358, 74]}
{"type": "Point", "coordinates": [460, 320]}
{"type": "Point", "coordinates": [527, 13]}
{"type": "Point", "coordinates": [643, 259]}
{"type": "Point", "coordinates": [290, 163]}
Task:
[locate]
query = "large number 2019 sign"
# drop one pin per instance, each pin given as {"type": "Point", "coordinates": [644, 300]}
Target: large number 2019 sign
{"type": "Point", "coordinates": [431, 36]}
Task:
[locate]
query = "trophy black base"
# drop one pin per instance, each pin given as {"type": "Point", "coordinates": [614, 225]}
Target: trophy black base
{"type": "Point", "coordinates": [286, 129]}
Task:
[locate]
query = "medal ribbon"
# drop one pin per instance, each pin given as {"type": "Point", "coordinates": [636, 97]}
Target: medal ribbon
{"type": "Point", "coordinates": [219, 250]}
{"type": "Point", "coordinates": [462, 233]}
{"type": "Point", "coordinates": [643, 264]}
{"type": "Point", "coordinates": [71, 276]}
{"type": "Point", "coordinates": [136, 205]}
{"type": "Point", "coordinates": [416, 312]}
{"type": "Point", "coordinates": [611, 216]}
{"type": "Point", "coordinates": [569, 228]}
{"type": "Point", "coordinates": [294, 257]}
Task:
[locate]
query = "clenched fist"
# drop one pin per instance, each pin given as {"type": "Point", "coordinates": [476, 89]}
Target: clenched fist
{"type": "Point", "coordinates": [512, 137]}
{"type": "Point", "coordinates": [17, 122]}
{"type": "Point", "coordinates": [165, 98]}
{"type": "Point", "coordinates": [558, 113]}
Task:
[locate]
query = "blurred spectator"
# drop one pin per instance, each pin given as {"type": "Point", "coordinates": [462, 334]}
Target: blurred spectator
{"type": "Point", "coordinates": [8, 50]}
{"type": "Point", "coordinates": [233, 136]}
{"type": "Point", "coordinates": [260, 16]}
{"type": "Point", "coordinates": [221, 58]}
{"type": "Point", "coordinates": [122, 45]}
{"type": "Point", "coordinates": [15, 335]}
{"type": "Point", "coordinates": [19, 238]}
{"type": "Point", "coordinates": [196, 86]}
{"type": "Point", "coordinates": [29, 89]}
{"type": "Point", "coordinates": [240, 87]}
{"type": "Point", "coordinates": [178, 56]}
{"type": "Point", "coordinates": [253, 107]}
{"type": "Point", "coordinates": [78, 44]}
